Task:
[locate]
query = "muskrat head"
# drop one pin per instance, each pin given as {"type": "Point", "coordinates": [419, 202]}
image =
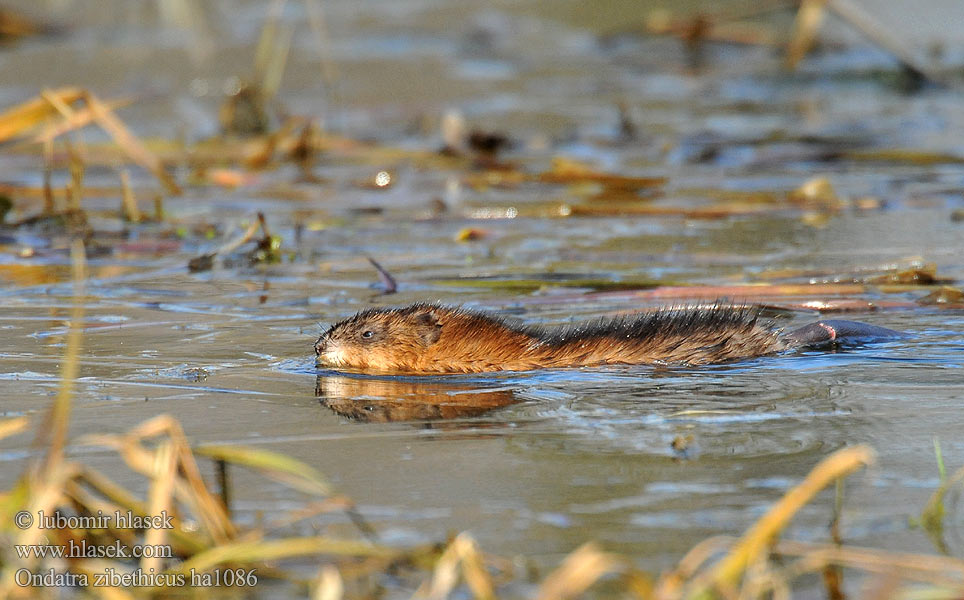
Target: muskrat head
{"type": "Point", "coordinates": [381, 339]}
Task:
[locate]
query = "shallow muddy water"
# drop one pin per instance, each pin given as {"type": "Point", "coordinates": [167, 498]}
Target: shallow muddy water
{"type": "Point", "coordinates": [534, 463]}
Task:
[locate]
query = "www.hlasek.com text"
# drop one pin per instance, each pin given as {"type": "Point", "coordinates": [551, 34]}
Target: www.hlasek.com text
{"type": "Point", "coordinates": [81, 549]}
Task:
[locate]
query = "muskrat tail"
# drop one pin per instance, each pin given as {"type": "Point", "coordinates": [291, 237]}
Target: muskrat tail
{"type": "Point", "coordinates": [836, 331]}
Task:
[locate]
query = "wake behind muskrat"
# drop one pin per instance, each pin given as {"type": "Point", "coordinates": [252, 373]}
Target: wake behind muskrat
{"type": "Point", "coordinates": [432, 338]}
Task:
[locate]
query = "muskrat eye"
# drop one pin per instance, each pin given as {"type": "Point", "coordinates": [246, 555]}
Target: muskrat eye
{"type": "Point", "coordinates": [368, 334]}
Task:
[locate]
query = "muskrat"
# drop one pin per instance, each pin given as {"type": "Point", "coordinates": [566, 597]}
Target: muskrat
{"type": "Point", "coordinates": [432, 338]}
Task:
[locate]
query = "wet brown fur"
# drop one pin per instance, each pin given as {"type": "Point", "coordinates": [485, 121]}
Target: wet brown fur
{"type": "Point", "coordinates": [430, 338]}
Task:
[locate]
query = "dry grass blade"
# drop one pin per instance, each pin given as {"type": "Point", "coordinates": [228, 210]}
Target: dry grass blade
{"type": "Point", "coordinates": [78, 496]}
{"type": "Point", "coordinates": [805, 27]}
{"type": "Point", "coordinates": [129, 143]}
{"type": "Point", "coordinates": [329, 585]}
{"type": "Point", "coordinates": [118, 498]}
{"type": "Point", "coordinates": [319, 26]}
{"type": "Point", "coordinates": [77, 168]}
{"type": "Point", "coordinates": [111, 491]}
{"type": "Point", "coordinates": [904, 156]}
{"type": "Point", "coordinates": [195, 492]}
{"type": "Point", "coordinates": [473, 568]}
{"type": "Point", "coordinates": [258, 551]}
{"type": "Point", "coordinates": [45, 484]}
{"type": "Point", "coordinates": [131, 212]}
{"type": "Point", "coordinates": [465, 552]}
{"type": "Point", "coordinates": [932, 517]}
{"type": "Point", "coordinates": [160, 499]}
{"type": "Point", "coordinates": [58, 103]}
{"type": "Point", "coordinates": [861, 17]}
{"type": "Point", "coordinates": [189, 487]}
{"type": "Point", "coordinates": [206, 261]}
{"type": "Point", "coordinates": [755, 542]}
{"type": "Point", "coordinates": [13, 426]}
{"type": "Point", "coordinates": [671, 583]}
{"type": "Point", "coordinates": [33, 113]}
{"type": "Point", "coordinates": [267, 41]}
{"type": "Point", "coordinates": [580, 570]}
{"type": "Point", "coordinates": [278, 466]}
{"type": "Point", "coordinates": [271, 80]}
{"type": "Point", "coordinates": [58, 419]}
{"type": "Point", "coordinates": [938, 570]}
{"type": "Point", "coordinates": [77, 119]}
{"type": "Point", "coordinates": [48, 192]}
{"type": "Point", "coordinates": [566, 171]}
{"type": "Point", "coordinates": [445, 577]}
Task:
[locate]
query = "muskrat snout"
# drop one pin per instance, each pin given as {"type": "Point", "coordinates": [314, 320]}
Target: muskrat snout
{"type": "Point", "coordinates": [323, 345]}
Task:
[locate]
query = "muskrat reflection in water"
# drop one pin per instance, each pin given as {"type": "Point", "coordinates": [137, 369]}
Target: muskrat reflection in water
{"type": "Point", "coordinates": [431, 338]}
{"type": "Point", "coordinates": [389, 400]}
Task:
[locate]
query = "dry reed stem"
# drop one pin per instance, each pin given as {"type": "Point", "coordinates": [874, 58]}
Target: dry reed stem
{"type": "Point", "coordinates": [319, 26]}
{"type": "Point", "coordinates": [445, 577]}
{"type": "Point", "coordinates": [232, 245]}
{"type": "Point", "coordinates": [328, 585]}
{"type": "Point", "coordinates": [257, 551]}
{"type": "Point", "coordinates": [941, 570]}
{"type": "Point", "coordinates": [34, 112]}
{"type": "Point", "coordinates": [45, 484]}
{"type": "Point", "coordinates": [13, 426]}
{"type": "Point", "coordinates": [932, 516]}
{"type": "Point", "coordinates": [77, 168]}
{"type": "Point", "coordinates": [272, 76]}
{"type": "Point", "coordinates": [57, 102]}
{"type": "Point", "coordinates": [582, 568]}
{"type": "Point", "coordinates": [805, 26]}
{"type": "Point", "coordinates": [672, 582]}
{"type": "Point", "coordinates": [271, 54]}
{"type": "Point", "coordinates": [58, 419]}
{"type": "Point", "coordinates": [160, 499]}
{"type": "Point", "coordinates": [129, 143]}
{"type": "Point", "coordinates": [131, 211]}
{"type": "Point", "coordinates": [189, 487]}
{"type": "Point", "coordinates": [48, 192]}
{"type": "Point", "coordinates": [78, 496]}
{"type": "Point", "coordinates": [78, 119]}
{"type": "Point", "coordinates": [290, 471]}
{"type": "Point", "coordinates": [755, 542]}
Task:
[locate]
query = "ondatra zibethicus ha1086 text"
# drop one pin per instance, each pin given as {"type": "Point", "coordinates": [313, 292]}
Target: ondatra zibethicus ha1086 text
{"type": "Point", "coordinates": [430, 338]}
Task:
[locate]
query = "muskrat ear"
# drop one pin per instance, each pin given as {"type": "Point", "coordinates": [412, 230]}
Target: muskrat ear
{"type": "Point", "coordinates": [428, 327]}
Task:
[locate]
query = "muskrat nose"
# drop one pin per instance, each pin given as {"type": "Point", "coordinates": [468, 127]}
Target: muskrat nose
{"type": "Point", "coordinates": [320, 345]}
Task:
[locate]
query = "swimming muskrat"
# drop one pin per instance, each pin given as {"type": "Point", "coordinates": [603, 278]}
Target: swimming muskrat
{"type": "Point", "coordinates": [431, 338]}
